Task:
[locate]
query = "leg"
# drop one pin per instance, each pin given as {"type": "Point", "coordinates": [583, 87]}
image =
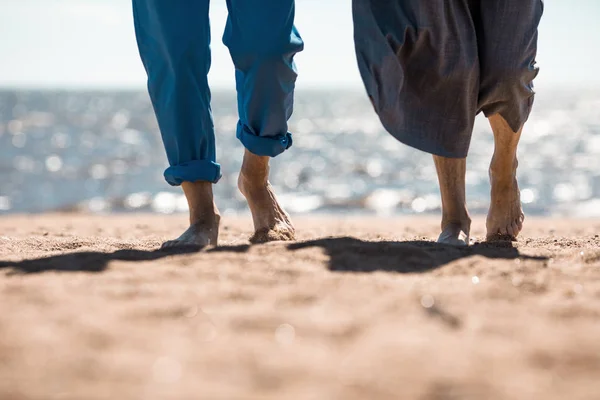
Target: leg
{"type": "Point", "coordinates": [508, 46]}
{"type": "Point", "coordinates": [418, 61]}
{"type": "Point", "coordinates": [262, 42]}
{"type": "Point", "coordinates": [271, 222]}
{"type": "Point", "coordinates": [456, 223]}
{"type": "Point", "coordinates": [505, 217]}
{"type": "Point", "coordinates": [204, 217]}
{"type": "Point", "coordinates": [173, 40]}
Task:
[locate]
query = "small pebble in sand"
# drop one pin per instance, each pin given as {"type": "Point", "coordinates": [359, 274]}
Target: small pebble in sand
{"type": "Point", "coordinates": [208, 332]}
{"type": "Point", "coordinates": [427, 301]}
{"type": "Point", "coordinates": [475, 280]}
{"type": "Point", "coordinates": [191, 312]}
{"type": "Point", "coordinates": [517, 281]}
{"type": "Point", "coordinates": [166, 370]}
{"type": "Point", "coordinates": [285, 334]}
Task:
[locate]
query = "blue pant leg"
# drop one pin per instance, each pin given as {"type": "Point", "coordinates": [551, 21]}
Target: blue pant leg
{"type": "Point", "coordinates": [174, 42]}
{"type": "Point", "coordinates": [262, 41]}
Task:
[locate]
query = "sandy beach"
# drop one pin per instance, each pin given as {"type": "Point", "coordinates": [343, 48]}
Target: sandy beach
{"type": "Point", "coordinates": [357, 308]}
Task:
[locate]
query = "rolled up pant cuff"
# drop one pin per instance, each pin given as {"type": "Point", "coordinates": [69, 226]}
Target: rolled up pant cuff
{"type": "Point", "coordinates": [193, 171]}
{"type": "Point", "coordinates": [270, 146]}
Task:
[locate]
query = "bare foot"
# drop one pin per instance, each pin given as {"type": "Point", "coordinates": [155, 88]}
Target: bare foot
{"type": "Point", "coordinates": [200, 234]}
{"type": "Point", "coordinates": [505, 217]}
{"type": "Point", "coordinates": [271, 222]}
{"type": "Point", "coordinates": [454, 235]}
{"type": "Point", "coordinates": [204, 217]}
{"type": "Point", "coordinates": [456, 222]}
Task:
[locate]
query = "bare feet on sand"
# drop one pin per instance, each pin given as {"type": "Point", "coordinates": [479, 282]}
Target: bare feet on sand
{"type": "Point", "coordinates": [505, 217]}
{"type": "Point", "coordinates": [204, 217]}
{"type": "Point", "coordinates": [455, 235]}
{"type": "Point", "coordinates": [456, 222]}
{"type": "Point", "coordinates": [271, 222]}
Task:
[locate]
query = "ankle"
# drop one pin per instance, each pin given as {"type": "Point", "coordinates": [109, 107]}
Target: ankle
{"type": "Point", "coordinates": [255, 169]}
{"type": "Point", "coordinates": [201, 204]}
{"type": "Point", "coordinates": [463, 220]}
{"type": "Point", "coordinates": [252, 179]}
{"type": "Point", "coordinates": [204, 216]}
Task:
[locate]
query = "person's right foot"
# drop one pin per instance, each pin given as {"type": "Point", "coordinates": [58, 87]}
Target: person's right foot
{"type": "Point", "coordinates": [204, 217]}
{"type": "Point", "coordinates": [505, 217]}
{"type": "Point", "coordinates": [199, 234]}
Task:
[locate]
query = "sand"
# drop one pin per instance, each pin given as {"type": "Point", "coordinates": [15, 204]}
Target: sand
{"type": "Point", "coordinates": [358, 308]}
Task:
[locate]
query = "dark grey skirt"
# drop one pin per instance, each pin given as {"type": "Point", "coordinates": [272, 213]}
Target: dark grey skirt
{"type": "Point", "coordinates": [429, 66]}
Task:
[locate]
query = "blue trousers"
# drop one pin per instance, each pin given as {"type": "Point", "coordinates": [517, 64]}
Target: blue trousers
{"type": "Point", "coordinates": [173, 38]}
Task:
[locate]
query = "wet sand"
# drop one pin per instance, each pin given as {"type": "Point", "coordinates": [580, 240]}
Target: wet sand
{"type": "Point", "coordinates": [357, 308]}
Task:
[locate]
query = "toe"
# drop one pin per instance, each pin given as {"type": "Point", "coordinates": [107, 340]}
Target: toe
{"type": "Point", "coordinates": [459, 242]}
{"type": "Point", "coordinates": [454, 242]}
{"type": "Point", "coordinates": [261, 236]}
{"type": "Point", "coordinates": [287, 231]}
{"type": "Point", "coordinates": [453, 238]}
{"type": "Point", "coordinates": [272, 235]}
{"type": "Point", "coordinates": [497, 237]}
{"type": "Point", "coordinates": [289, 236]}
{"type": "Point", "coordinates": [510, 230]}
{"type": "Point", "coordinates": [516, 228]}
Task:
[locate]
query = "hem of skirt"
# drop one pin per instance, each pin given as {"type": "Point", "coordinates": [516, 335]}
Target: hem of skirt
{"type": "Point", "coordinates": [412, 140]}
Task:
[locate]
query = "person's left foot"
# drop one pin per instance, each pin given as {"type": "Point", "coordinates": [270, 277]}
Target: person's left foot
{"type": "Point", "coordinates": [456, 222]}
{"type": "Point", "coordinates": [505, 217]}
{"type": "Point", "coordinates": [271, 222]}
{"type": "Point", "coordinates": [455, 235]}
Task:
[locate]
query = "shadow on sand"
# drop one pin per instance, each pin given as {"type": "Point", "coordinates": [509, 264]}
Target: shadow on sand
{"type": "Point", "coordinates": [348, 254]}
{"type": "Point", "coordinates": [88, 261]}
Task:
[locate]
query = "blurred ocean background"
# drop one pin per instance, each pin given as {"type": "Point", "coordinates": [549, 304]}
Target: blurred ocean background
{"type": "Point", "coordinates": [77, 132]}
{"type": "Point", "coordinates": [102, 152]}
